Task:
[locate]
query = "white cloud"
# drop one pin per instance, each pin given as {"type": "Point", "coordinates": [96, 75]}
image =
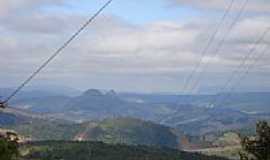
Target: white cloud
{"type": "Point", "coordinates": [11, 6]}
{"type": "Point", "coordinates": [253, 6]}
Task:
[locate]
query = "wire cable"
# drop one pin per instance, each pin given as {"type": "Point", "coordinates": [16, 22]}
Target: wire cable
{"type": "Point", "coordinates": [56, 53]}
{"type": "Point", "coordinates": [208, 45]}
{"type": "Point", "coordinates": [242, 64]}
{"type": "Point", "coordinates": [221, 43]}
{"type": "Point", "coordinates": [248, 68]}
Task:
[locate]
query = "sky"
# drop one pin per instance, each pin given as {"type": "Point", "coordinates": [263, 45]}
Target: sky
{"type": "Point", "coordinates": [138, 46]}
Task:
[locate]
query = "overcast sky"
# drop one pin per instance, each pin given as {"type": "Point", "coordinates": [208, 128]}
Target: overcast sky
{"type": "Point", "coordinates": [139, 45]}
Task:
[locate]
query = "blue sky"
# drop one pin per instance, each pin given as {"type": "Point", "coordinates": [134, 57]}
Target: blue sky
{"type": "Point", "coordinates": [135, 12]}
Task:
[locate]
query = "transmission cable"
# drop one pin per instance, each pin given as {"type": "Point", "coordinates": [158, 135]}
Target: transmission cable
{"type": "Point", "coordinates": [208, 45]}
{"type": "Point", "coordinates": [250, 67]}
{"type": "Point", "coordinates": [243, 64]}
{"type": "Point", "coordinates": [56, 53]}
{"type": "Point", "coordinates": [221, 43]}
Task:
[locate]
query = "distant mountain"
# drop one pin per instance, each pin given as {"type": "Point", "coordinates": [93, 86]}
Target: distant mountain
{"type": "Point", "coordinates": [95, 100]}
{"type": "Point", "coordinates": [150, 98]}
{"type": "Point", "coordinates": [199, 121]}
{"type": "Point", "coordinates": [40, 92]}
{"type": "Point", "coordinates": [253, 102]}
{"type": "Point", "coordinates": [46, 104]}
{"type": "Point", "coordinates": [193, 114]}
{"type": "Point", "coordinates": [94, 104]}
{"type": "Point", "coordinates": [56, 89]}
{"type": "Point", "coordinates": [246, 101]}
{"type": "Point", "coordinates": [256, 102]}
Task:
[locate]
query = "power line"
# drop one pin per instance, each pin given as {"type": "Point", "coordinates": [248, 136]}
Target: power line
{"type": "Point", "coordinates": [247, 70]}
{"type": "Point", "coordinates": [250, 67]}
{"type": "Point", "coordinates": [221, 43]}
{"type": "Point", "coordinates": [242, 65]}
{"type": "Point", "coordinates": [56, 53]}
{"type": "Point", "coordinates": [209, 43]}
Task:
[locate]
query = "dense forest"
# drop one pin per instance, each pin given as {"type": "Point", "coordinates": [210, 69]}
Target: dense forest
{"type": "Point", "coordinates": [52, 150]}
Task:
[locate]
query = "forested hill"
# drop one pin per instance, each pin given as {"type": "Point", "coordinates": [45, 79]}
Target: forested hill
{"type": "Point", "coordinates": [130, 131]}
{"type": "Point", "coordinates": [52, 150]}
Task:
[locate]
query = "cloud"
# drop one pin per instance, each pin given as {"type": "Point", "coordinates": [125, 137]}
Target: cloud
{"type": "Point", "coordinates": [11, 6]}
{"type": "Point", "coordinates": [253, 6]}
{"type": "Point", "coordinates": [117, 49]}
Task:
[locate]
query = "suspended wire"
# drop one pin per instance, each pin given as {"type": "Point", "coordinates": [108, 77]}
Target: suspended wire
{"type": "Point", "coordinates": [250, 67]}
{"type": "Point", "coordinates": [255, 62]}
{"type": "Point", "coordinates": [56, 53]}
{"type": "Point", "coordinates": [221, 43]}
{"type": "Point", "coordinates": [247, 70]}
{"type": "Point", "coordinates": [209, 43]}
{"type": "Point", "coordinates": [242, 65]}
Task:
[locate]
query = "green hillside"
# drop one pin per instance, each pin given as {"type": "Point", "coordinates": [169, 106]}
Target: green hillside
{"type": "Point", "coordinates": [46, 130]}
{"type": "Point", "coordinates": [112, 131]}
{"type": "Point", "coordinates": [131, 131]}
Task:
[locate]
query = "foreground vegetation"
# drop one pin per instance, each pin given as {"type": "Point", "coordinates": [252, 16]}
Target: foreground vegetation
{"type": "Point", "coordinates": [256, 147]}
{"type": "Point", "coordinates": [52, 150]}
{"type": "Point", "coordinates": [252, 147]}
{"type": "Point", "coordinates": [68, 150]}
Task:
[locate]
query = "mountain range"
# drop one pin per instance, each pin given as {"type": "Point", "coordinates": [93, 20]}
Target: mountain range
{"type": "Point", "coordinates": [193, 114]}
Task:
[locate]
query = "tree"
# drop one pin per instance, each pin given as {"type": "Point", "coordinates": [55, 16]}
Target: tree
{"type": "Point", "coordinates": [258, 147]}
{"type": "Point", "coordinates": [9, 146]}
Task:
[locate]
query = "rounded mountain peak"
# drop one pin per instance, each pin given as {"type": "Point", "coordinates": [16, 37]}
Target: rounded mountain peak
{"type": "Point", "coordinates": [93, 92]}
